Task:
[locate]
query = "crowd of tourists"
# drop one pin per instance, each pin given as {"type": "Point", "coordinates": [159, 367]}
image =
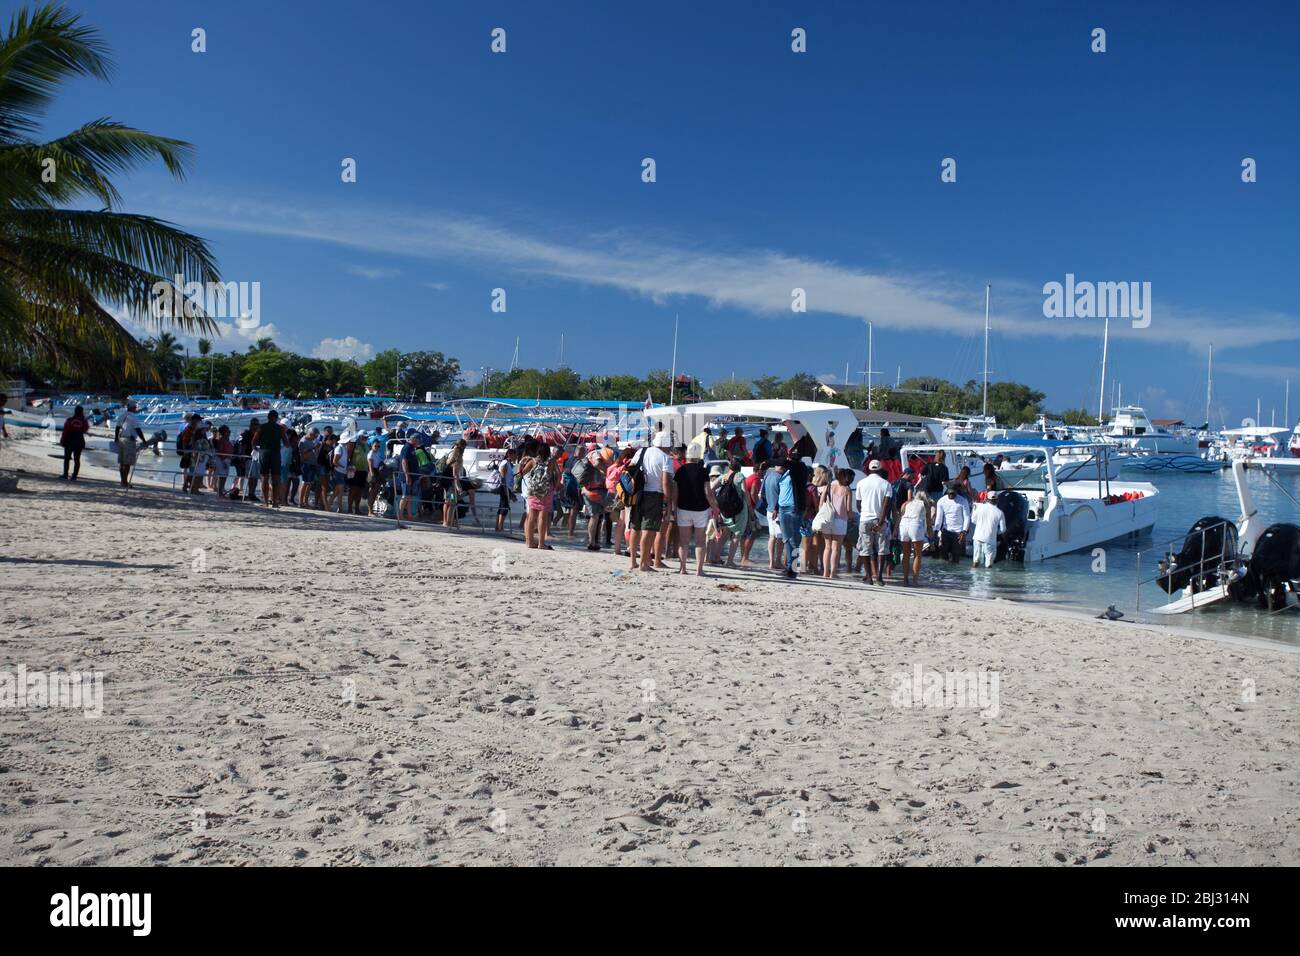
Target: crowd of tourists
{"type": "Point", "coordinates": [700, 504]}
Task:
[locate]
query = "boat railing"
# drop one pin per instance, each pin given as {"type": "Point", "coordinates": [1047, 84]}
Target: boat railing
{"type": "Point", "coordinates": [1227, 556]}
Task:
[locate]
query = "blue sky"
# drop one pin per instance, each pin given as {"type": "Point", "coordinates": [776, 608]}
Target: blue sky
{"type": "Point", "coordinates": [775, 170]}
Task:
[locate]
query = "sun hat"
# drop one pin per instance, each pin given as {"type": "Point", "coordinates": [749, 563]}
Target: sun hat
{"type": "Point", "coordinates": [607, 454]}
{"type": "Point", "coordinates": [715, 470]}
{"type": "Point", "coordinates": [694, 453]}
{"type": "Point", "coordinates": [874, 466]}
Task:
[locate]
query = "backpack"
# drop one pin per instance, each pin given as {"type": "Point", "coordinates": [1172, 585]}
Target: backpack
{"type": "Point", "coordinates": [631, 482]}
{"type": "Point", "coordinates": [572, 490]}
{"type": "Point", "coordinates": [730, 503]}
{"type": "Point", "coordinates": [583, 471]}
{"type": "Point", "coordinates": [537, 483]}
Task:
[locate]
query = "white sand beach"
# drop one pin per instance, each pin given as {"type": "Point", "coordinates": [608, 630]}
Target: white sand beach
{"type": "Point", "coordinates": [299, 688]}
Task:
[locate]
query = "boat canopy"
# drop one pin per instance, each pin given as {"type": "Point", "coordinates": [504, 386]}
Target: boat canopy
{"type": "Point", "coordinates": [602, 404]}
{"type": "Point", "coordinates": [829, 426]}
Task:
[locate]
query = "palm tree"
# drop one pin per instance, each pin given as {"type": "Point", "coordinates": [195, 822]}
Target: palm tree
{"type": "Point", "coordinates": [205, 346]}
{"type": "Point", "coordinates": [61, 268]}
{"type": "Point", "coordinates": [164, 349]}
{"type": "Point", "coordinates": [265, 344]}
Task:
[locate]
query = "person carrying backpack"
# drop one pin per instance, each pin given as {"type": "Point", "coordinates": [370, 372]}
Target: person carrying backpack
{"type": "Point", "coordinates": [652, 471]}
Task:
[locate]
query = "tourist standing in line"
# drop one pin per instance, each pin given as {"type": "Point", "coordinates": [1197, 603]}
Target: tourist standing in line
{"type": "Point", "coordinates": [655, 502]}
{"type": "Point", "coordinates": [839, 494]}
{"type": "Point", "coordinates": [695, 500]}
{"type": "Point", "coordinates": [914, 530]}
{"type": "Point", "coordinates": [874, 507]}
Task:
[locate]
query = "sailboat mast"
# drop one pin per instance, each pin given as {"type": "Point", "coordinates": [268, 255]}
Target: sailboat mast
{"type": "Point", "coordinates": [870, 363]}
{"type": "Point", "coordinates": [1209, 388]}
{"type": "Point", "coordinates": [1101, 398]}
{"type": "Point", "coordinates": [672, 382]}
{"type": "Point", "coordinates": [988, 288]}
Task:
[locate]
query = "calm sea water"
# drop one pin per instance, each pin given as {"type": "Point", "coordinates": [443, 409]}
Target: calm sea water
{"type": "Point", "coordinates": [1069, 581]}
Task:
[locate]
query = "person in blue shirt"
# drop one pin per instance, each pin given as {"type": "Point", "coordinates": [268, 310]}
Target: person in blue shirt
{"type": "Point", "coordinates": [762, 448]}
{"type": "Point", "coordinates": [771, 492]}
{"type": "Point", "coordinates": [789, 514]}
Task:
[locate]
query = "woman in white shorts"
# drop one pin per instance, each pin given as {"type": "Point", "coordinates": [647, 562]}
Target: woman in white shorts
{"type": "Point", "coordinates": [914, 531]}
{"type": "Point", "coordinates": [840, 495]}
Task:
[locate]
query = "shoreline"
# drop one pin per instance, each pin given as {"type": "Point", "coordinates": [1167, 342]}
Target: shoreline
{"type": "Point", "coordinates": [1048, 608]}
{"type": "Point", "coordinates": [335, 692]}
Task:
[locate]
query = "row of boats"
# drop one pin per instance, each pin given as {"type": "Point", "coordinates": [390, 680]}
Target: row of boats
{"type": "Point", "coordinates": [1143, 445]}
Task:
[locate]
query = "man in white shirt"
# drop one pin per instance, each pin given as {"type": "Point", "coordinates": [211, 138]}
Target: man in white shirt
{"type": "Point", "coordinates": [654, 502]}
{"type": "Point", "coordinates": [125, 434]}
{"type": "Point", "coordinates": [987, 522]}
{"type": "Point", "coordinates": [874, 510]}
{"type": "Point", "coordinates": [951, 522]}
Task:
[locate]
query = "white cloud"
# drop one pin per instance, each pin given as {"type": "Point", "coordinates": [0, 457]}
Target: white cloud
{"type": "Point", "coordinates": [755, 280]}
{"type": "Point", "coordinates": [440, 286]}
{"type": "Point", "coordinates": [349, 347]}
{"type": "Point", "coordinates": [373, 272]}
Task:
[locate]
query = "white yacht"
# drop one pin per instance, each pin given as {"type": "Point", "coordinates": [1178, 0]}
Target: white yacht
{"type": "Point", "coordinates": [1131, 430]}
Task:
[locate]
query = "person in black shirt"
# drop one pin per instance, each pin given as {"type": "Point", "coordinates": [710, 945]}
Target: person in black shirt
{"type": "Point", "coordinates": [762, 448]}
{"type": "Point", "coordinates": [798, 472]}
{"type": "Point", "coordinates": [695, 502]}
{"type": "Point", "coordinates": [934, 477]}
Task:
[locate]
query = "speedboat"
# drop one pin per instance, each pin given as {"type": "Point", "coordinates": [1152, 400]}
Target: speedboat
{"type": "Point", "coordinates": [1052, 516]}
{"type": "Point", "coordinates": [1245, 559]}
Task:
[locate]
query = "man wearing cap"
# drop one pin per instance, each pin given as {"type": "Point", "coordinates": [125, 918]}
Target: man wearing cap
{"type": "Point", "coordinates": [655, 501]}
{"type": "Point", "coordinates": [987, 521]}
{"type": "Point", "coordinates": [874, 505]}
{"type": "Point", "coordinates": [407, 479]}
{"type": "Point", "coordinates": [128, 428]}
{"type": "Point", "coordinates": [951, 522]}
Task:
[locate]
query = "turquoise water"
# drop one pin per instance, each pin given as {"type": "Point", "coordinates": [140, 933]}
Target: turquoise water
{"type": "Point", "coordinates": [1071, 582]}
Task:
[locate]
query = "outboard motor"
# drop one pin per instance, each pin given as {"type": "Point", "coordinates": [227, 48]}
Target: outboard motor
{"type": "Point", "coordinates": [1015, 508]}
{"type": "Point", "coordinates": [1206, 558]}
{"type": "Point", "coordinates": [1275, 564]}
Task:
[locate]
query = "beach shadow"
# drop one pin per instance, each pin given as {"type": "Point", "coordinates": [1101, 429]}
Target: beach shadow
{"type": "Point", "coordinates": [80, 563]}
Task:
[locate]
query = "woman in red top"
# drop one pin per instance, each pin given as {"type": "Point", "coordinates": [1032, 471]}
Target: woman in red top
{"type": "Point", "coordinates": [73, 441]}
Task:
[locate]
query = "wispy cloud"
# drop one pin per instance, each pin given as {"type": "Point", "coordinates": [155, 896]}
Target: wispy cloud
{"type": "Point", "coordinates": [757, 280]}
{"type": "Point", "coordinates": [372, 272]}
{"type": "Point", "coordinates": [439, 286]}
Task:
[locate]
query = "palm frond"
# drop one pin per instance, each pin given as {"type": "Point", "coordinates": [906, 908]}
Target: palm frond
{"type": "Point", "coordinates": [41, 50]}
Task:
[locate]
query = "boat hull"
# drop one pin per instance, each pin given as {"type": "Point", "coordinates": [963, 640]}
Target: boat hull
{"type": "Point", "coordinates": [1187, 464]}
{"type": "Point", "coordinates": [1078, 520]}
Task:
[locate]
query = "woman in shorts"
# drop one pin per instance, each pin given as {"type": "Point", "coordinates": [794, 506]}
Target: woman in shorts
{"type": "Point", "coordinates": [914, 531]}
{"type": "Point", "coordinates": [840, 495]}
{"type": "Point", "coordinates": [541, 497]}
